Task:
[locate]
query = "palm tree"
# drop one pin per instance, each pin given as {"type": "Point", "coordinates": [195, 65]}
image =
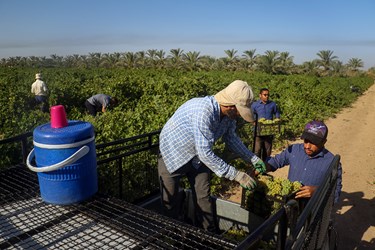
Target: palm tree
{"type": "Point", "coordinates": [286, 63]}
{"type": "Point", "coordinates": [3, 61]}
{"type": "Point", "coordinates": [231, 58]}
{"type": "Point", "coordinates": [219, 64]}
{"type": "Point", "coordinates": [176, 57]}
{"type": "Point", "coordinates": [130, 59]}
{"type": "Point", "coordinates": [57, 60]}
{"type": "Point", "coordinates": [111, 60]}
{"type": "Point", "coordinates": [250, 58]}
{"type": "Point", "coordinates": [12, 62]}
{"type": "Point", "coordinates": [142, 60]}
{"type": "Point", "coordinates": [34, 61]}
{"type": "Point", "coordinates": [269, 62]}
{"type": "Point", "coordinates": [84, 61]}
{"type": "Point", "coordinates": [117, 59]}
{"type": "Point", "coordinates": [310, 67]}
{"type": "Point", "coordinates": [69, 61]}
{"type": "Point", "coordinates": [151, 53]}
{"type": "Point", "coordinates": [231, 54]}
{"type": "Point", "coordinates": [160, 56]}
{"type": "Point", "coordinates": [338, 68]}
{"type": "Point", "coordinates": [76, 59]}
{"type": "Point", "coordinates": [207, 62]}
{"type": "Point", "coordinates": [326, 59]}
{"type": "Point", "coordinates": [94, 59]}
{"type": "Point", "coordinates": [192, 60]}
{"type": "Point", "coordinates": [354, 64]}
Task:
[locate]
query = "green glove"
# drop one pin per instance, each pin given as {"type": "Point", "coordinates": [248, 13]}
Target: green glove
{"type": "Point", "coordinates": [258, 164]}
{"type": "Point", "coordinates": [245, 180]}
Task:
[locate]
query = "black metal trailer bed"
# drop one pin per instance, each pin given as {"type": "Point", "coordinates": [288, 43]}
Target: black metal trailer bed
{"type": "Point", "coordinates": [110, 220]}
{"type": "Point", "coordinates": [27, 222]}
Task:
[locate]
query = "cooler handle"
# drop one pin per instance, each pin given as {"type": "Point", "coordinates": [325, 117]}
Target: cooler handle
{"type": "Point", "coordinates": [71, 159]}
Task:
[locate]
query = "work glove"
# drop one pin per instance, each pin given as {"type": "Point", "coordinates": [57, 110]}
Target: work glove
{"type": "Point", "coordinates": [245, 180]}
{"type": "Point", "coordinates": [258, 164]}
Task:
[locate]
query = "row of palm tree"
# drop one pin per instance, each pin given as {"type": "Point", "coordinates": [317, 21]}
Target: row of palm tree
{"type": "Point", "coordinates": [272, 61]}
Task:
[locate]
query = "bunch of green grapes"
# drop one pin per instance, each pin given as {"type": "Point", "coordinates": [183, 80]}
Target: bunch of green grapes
{"type": "Point", "coordinates": [277, 186]}
{"type": "Point", "coordinates": [260, 200]}
{"type": "Point", "coordinates": [237, 234]}
{"type": "Point", "coordinates": [265, 121]}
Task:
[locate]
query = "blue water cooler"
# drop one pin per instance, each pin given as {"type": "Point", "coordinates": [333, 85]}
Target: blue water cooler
{"type": "Point", "coordinates": [65, 160]}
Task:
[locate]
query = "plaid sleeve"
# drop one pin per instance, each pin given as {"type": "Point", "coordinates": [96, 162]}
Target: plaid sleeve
{"type": "Point", "coordinates": [204, 128]}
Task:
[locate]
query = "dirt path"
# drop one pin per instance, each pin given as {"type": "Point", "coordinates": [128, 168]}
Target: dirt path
{"type": "Point", "coordinates": [352, 136]}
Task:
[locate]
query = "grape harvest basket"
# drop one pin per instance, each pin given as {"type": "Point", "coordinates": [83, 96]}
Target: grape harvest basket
{"type": "Point", "coordinates": [266, 129]}
{"type": "Point", "coordinates": [263, 202]}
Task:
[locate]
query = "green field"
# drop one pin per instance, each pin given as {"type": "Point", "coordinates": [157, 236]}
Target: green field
{"type": "Point", "coordinates": [148, 97]}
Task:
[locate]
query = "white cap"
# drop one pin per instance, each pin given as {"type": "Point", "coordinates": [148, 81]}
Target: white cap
{"type": "Point", "coordinates": [240, 94]}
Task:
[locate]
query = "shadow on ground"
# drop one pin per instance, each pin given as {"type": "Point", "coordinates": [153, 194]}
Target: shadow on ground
{"type": "Point", "coordinates": [354, 216]}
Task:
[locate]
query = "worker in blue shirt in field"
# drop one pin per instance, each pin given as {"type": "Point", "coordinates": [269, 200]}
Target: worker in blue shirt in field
{"type": "Point", "coordinates": [264, 108]}
{"type": "Point", "coordinates": [186, 148]}
{"type": "Point", "coordinates": [308, 161]}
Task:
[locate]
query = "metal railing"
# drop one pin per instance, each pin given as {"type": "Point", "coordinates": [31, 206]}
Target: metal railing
{"type": "Point", "coordinates": [23, 139]}
{"type": "Point", "coordinates": [127, 168]}
{"type": "Point", "coordinates": [313, 226]}
{"type": "Point", "coordinates": [298, 226]}
{"type": "Point", "coordinates": [100, 222]}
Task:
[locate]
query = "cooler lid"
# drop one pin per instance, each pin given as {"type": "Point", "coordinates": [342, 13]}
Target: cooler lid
{"type": "Point", "coordinates": [75, 131]}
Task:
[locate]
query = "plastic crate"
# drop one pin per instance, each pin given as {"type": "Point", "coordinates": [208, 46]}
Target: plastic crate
{"type": "Point", "coordinates": [260, 204]}
{"type": "Point", "coordinates": [268, 129]}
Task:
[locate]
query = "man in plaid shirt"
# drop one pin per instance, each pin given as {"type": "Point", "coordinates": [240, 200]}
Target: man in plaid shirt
{"type": "Point", "coordinates": [186, 143]}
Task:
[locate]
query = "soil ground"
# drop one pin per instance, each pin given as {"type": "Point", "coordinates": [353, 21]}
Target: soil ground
{"type": "Point", "coordinates": [352, 136]}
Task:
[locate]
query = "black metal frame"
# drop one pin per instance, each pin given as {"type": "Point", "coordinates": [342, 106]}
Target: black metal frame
{"type": "Point", "coordinates": [114, 152]}
{"type": "Point", "coordinates": [117, 151]}
{"type": "Point", "coordinates": [19, 138]}
{"type": "Point", "coordinates": [296, 230]}
{"type": "Point", "coordinates": [309, 227]}
{"type": "Point", "coordinates": [313, 224]}
{"type": "Point", "coordinates": [101, 221]}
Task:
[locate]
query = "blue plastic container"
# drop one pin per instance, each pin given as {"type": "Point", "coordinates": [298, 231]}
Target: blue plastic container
{"type": "Point", "coordinates": [65, 161]}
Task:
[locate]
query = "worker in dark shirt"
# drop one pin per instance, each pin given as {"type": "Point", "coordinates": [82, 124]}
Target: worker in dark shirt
{"type": "Point", "coordinates": [99, 102]}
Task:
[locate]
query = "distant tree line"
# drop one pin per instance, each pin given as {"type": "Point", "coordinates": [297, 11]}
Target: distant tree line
{"type": "Point", "coordinates": [271, 62]}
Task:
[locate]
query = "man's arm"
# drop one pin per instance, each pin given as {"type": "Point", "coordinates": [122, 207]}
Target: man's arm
{"type": "Point", "coordinates": [45, 89]}
{"type": "Point", "coordinates": [279, 160]}
{"type": "Point", "coordinates": [237, 146]}
{"type": "Point", "coordinates": [204, 139]}
{"type": "Point", "coordinates": [105, 103]}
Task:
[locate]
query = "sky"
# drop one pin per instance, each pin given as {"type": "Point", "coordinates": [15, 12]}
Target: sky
{"type": "Point", "coordinates": [300, 27]}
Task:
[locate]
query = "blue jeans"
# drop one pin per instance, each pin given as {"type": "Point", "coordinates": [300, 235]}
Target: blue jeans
{"type": "Point", "coordinates": [42, 100]}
